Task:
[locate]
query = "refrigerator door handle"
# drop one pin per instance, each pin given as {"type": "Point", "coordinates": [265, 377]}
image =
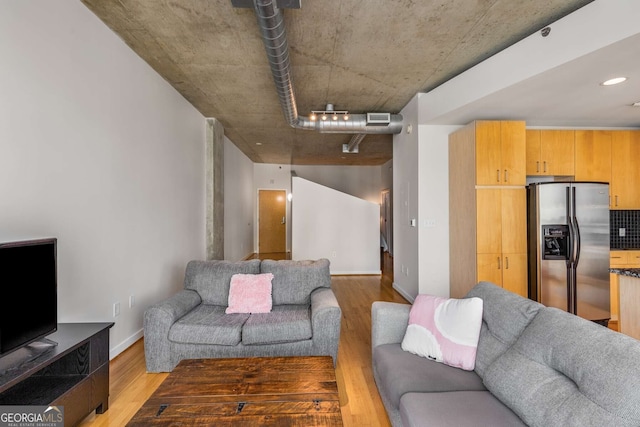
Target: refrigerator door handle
{"type": "Point", "coordinates": [571, 246]}
{"type": "Point", "coordinates": [577, 238]}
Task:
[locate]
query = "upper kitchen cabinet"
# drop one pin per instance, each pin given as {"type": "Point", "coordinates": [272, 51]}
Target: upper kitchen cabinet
{"type": "Point", "coordinates": [500, 152]}
{"type": "Point", "coordinates": [593, 155]}
{"type": "Point", "coordinates": [550, 152]}
{"type": "Point", "coordinates": [625, 173]}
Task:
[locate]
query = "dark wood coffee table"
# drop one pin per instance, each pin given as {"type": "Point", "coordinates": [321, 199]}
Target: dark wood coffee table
{"type": "Point", "coordinates": [254, 391]}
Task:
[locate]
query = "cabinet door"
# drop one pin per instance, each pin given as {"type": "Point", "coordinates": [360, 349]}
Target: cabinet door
{"type": "Point", "coordinates": [513, 152]}
{"type": "Point", "coordinates": [557, 152]}
{"type": "Point", "coordinates": [489, 220]}
{"type": "Point", "coordinates": [593, 155]}
{"type": "Point", "coordinates": [489, 268]}
{"type": "Point", "coordinates": [533, 152]}
{"type": "Point", "coordinates": [488, 156]}
{"type": "Point", "coordinates": [625, 173]}
{"type": "Point", "coordinates": [514, 273]}
{"type": "Point", "coordinates": [513, 211]}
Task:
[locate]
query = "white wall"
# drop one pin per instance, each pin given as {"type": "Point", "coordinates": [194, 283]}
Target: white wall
{"type": "Point", "coordinates": [239, 203]}
{"type": "Point", "coordinates": [364, 182]}
{"type": "Point", "coordinates": [99, 151]}
{"type": "Point", "coordinates": [421, 190]}
{"type": "Point", "coordinates": [337, 226]}
{"type": "Point", "coordinates": [405, 204]}
{"type": "Point", "coordinates": [433, 225]}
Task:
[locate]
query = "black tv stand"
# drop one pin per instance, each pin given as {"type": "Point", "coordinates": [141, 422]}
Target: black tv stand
{"type": "Point", "coordinates": [74, 373]}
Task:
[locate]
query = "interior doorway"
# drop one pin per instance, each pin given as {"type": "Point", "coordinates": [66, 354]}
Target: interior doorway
{"type": "Point", "coordinates": [386, 222]}
{"type": "Point", "coordinates": [272, 221]}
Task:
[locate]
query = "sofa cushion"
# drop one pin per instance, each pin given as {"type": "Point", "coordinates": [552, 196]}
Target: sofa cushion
{"type": "Point", "coordinates": [250, 293]}
{"type": "Point", "coordinates": [211, 279]}
{"type": "Point", "coordinates": [285, 323]}
{"type": "Point", "coordinates": [444, 329]}
{"type": "Point", "coordinates": [456, 409]}
{"type": "Point", "coordinates": [208, 324]}
{"type": "Point", "coordinates": [293, 281]}
{"type": "Point", "coordinates": [504, 317]}
{"type": "Point", "coordinates": [400, 372]}
{"type": "Point", "coordinates": [581, 373]}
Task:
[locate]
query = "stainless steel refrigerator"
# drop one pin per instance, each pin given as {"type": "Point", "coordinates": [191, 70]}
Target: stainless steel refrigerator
{"type": "Point", "coordinates": [568, 240]}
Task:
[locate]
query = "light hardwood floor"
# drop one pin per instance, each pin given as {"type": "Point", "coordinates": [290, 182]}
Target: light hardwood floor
{"type": "Point", "coordinates": [359, 399]}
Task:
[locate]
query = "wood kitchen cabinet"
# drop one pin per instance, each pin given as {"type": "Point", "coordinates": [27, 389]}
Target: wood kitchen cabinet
{"type": "Point", "coordinates": [593, 155]}
{"type": "Point", "coordinates": [487, 216]}
{"type": "Point", "coordinates": [625, 173]}
{"type": "Point", "coordinates": [550, 152]}
{"type": "Point", "coordinates": [500, 152]}
{"type": "Point", "coordinates": [501, 218]}
{"type": "Point", "coordinates": [502, 237]}
{"type": "Point", "coordinates": [620, 259]}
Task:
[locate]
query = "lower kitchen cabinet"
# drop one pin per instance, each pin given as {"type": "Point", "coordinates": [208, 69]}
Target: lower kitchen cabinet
{"type": "Point", "coordinates": [506, 270]}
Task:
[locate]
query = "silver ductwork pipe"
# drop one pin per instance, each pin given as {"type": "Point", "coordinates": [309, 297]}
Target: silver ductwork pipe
{"type": "Point", "coordinates": [274, 37]}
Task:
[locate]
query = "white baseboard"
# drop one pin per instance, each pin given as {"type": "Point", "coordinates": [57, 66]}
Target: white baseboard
{"type": "Point", "coordinates": [403, 293]}
{"type": "Point", "coordinates": [116, 350]}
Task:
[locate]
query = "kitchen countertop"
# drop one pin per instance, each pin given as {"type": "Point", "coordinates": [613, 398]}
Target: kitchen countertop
{"type": "Point", "coordinates": [631, 272]}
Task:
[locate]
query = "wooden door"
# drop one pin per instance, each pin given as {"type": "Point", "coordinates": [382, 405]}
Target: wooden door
{"type": "Point", "coordinates": [513, 153]}
{"type": "Point", "coordinates": [514, 273]}
{"type": "Point", "coordinates": [533, 152]}
{"type": "Point", "coordinates": [488, 163]}
{"type": "Point", "coordinates": [272, 214]}
{"type": "Point", "coordinates": [557, 149]}
{"type": "Point", "coordinates": [625, 173]}
{"type": "Point", "coordinates": [593, 155]}
{"type": "Point", "coordinates": [513, 202]}
{"type": "Point", "coordinates": [488, 220]}
{"type": "Point", "coordinates": [489, 268]}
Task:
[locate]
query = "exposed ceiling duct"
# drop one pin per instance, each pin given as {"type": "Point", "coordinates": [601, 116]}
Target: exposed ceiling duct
{"type": "Point", "coordinates": [274, 36]}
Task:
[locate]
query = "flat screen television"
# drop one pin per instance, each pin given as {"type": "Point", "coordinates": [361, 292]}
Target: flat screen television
{"type": "Point", "coordinates": [28, 289]}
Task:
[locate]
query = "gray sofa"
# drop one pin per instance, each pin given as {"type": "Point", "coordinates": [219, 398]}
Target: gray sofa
{"type": "Point", "coordinates": [305, 317]}
{"type": "Point", "coordinates": [535, 365]}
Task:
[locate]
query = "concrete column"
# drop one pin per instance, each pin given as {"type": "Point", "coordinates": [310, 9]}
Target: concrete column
{"type": "Point", "coordinates": [215, 189]}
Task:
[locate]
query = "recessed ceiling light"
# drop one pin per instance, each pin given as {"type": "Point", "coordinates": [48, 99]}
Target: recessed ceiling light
{"type": "Point", "coordinates": [258, 143]}
{"type": "Point", "coordinates": [613, 81]}
{"type": "Point", "coordinates": [636, 104]}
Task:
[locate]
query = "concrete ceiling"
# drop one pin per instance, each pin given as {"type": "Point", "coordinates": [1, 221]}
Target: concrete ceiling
{"type": "Point", "coordinates": [361, 56]}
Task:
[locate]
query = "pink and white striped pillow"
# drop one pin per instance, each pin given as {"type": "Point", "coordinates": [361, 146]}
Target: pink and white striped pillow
{"type": "Point", "coordinates": [445, 330]}
{"type": "Point", "coordinates": [250, 293]}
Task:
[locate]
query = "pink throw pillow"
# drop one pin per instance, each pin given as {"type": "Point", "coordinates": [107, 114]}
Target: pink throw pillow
{"type": "Point", "coordinates": [250, 293]}
{"type": "Point", "coordinates": [445, 330]}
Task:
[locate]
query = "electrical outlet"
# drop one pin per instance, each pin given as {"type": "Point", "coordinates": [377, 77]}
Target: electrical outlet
{"type": "Point", "coordinates": [622, 232]}
{"type": "Point", "coordinates": [132, 301]}
{"type": "Point", "coordinates": [116, 309]}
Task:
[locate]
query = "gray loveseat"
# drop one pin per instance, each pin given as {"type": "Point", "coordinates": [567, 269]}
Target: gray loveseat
{"type": "Point", "coordinates": [535, 365]}
{"type": "Point", "coordinates": [305, 317]}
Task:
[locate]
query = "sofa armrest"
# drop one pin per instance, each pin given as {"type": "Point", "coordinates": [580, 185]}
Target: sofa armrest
{"type": "Point", "coordinates": [326, 317]}
{"type": "Point", "coordinates": [157, 321]}
{"type": "Point", "coordinates": [389, 322]}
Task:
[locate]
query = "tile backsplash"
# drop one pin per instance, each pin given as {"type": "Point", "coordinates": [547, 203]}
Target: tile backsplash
{"type": "Point", "coordinates": [630, 222]}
